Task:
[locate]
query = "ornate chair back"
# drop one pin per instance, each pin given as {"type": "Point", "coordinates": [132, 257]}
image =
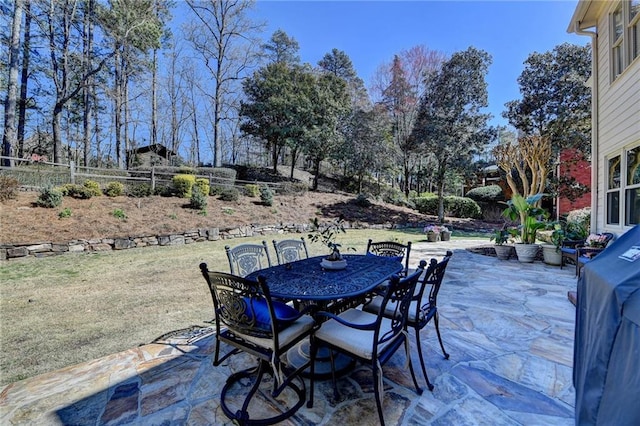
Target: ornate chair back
{"type": "Point", "coordinates": [247, 258]}
{"type": "Point", "coordinates": [391, 249]}
{"type": "Point", "coordinates": [288, 251]}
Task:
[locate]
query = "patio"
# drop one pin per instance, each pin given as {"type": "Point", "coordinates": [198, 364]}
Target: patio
{"type": "Point", "coordinates": [507, 326]}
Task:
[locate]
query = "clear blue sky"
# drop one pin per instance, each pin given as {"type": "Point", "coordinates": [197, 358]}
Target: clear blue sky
{"type": "Point", "coordinates": [371, 32]}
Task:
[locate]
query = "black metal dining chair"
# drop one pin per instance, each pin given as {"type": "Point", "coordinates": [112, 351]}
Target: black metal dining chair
{"type": "Point", "coordinates": [248, 320]}
{"type": "Point", "coordinates": [247, 258]}
{"type": "Point", "coordinates": [369, 338]}
{"type": "Point", "coordinates": [391, 249]}
{"type": "Point", "coordinates": [288, 251]}
{"type": "Point", "coordinates": [421, 312]}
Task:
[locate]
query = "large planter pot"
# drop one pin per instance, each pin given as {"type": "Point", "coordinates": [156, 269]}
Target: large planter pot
{"type": "Point", "coordinates": [527, 252]}
{"type": "Point", "coordinates": [551, 254]}
{"type": "Point", "coordinates": [503, 252]}
{"type": "Point", "coordinates": [432, 237]}
{"type": "Point", "coordinates": [445, 236]}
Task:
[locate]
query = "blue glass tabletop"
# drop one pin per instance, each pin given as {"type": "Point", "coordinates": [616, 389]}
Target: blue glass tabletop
{"type": "Point", "coordinates": [307, 280]}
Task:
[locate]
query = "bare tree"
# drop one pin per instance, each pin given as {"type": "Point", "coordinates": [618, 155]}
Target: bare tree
{"type": "Point", "coordinates": [224, 39]}
{"type": "Point", "coordinates": [398, 86]}
{"type": "Point", "coordinates": [9, 136]}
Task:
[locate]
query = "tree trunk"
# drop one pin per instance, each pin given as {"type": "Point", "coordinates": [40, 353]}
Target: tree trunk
{"type": "Point", "coordinates": [24, 79]}
{"type": "Point", "coordinates": [9, 137]}
{"type": "Point", "coordinates": [154, 98]}
{"type": "Point", "coordinates": [316, 173]}
{"type": "Point", "coordinates": [87, 90]}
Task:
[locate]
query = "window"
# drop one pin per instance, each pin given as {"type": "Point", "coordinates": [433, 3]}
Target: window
{"type": "Point", "coordinates": [632, 190]}
{"type": "Point", "coordinates": [624, 35]}
{"type": "Point", "coordinates": [634, 29]}
{"type": "Point", "coordinates": [613, 191]}
{"type": "Point", "coordinates": [623, 188]}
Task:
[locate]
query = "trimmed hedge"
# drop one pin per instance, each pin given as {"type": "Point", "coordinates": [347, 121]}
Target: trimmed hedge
{"type": "Point", "coordinates": [454, 206]}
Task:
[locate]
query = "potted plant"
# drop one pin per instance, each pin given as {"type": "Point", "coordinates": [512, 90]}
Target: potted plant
{"type": "Point", "coordinates": [327, 234]}
{"type": "Point", "coordinates": [433, 233]}
{"type": "Point", "coordinates": [445, 233]}
{"type": "Point", "coordinates": [526, 210]}
{"type": "Point", "coordinates": [551, 252]}
{"type": "Point", "coordinates": [501, 237]}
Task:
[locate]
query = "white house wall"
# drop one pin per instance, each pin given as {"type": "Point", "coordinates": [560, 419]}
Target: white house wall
{"type": "Point", "coordinates": [618, 113]}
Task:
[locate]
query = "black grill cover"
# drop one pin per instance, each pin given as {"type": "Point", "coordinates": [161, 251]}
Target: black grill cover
{"type": "Point", "coordinates": [606, 357]}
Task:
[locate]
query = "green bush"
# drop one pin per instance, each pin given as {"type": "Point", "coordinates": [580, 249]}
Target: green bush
{"type": "Point", "coordinates": [75, 191]}
{"type": "Point", "coordinates": [203, 184]}
{"type": "Point", "coordinates": [119, 214]}
{"type": "Point", "coordinates": [114, 189]}
{"type": "Point", "coordinates": [453, 206]}
{"type": "Point", "coordinates": [216, 190]}
{"type": "Point", "coordinates": [396, 197]}
{"type": "Point", "coordinates": [293, 188]}
{"type": "Point", "coordinates": [266, 196]}
{"type": "Point", "coordinates": [183, 184]}
{"type": "Point", "coordinates": [462, 207]}
{"type": "Point", "coordinates": [252, 190]}
{"type": "Point", "coordinates": [198, 198]}
{"type": "Point", "coordinates": [165, 191]}
{"type": "Point", "coordinates": [49, 198]}
{"type": "Point", "coordinates": [64, 213]}
{"type": "Point", "coordinates": [93, 187]}
{"type": "Point", "coordinates": [487, 194]}
{"type": "Point", "coordinates": [139, 190]}
{"type": "Point", "coordinates": [8, 188]}
{"type": "Point", "coordinates": [229, 194]}
{"type": "Point", "coordinates": [362, 201]}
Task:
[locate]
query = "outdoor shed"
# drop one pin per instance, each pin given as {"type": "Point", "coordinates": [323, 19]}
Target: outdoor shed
{"type": "Point", "coordinates": [150, 155]}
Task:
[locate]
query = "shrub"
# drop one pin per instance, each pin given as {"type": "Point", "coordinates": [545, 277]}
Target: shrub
{"type": "Point", "coordinates": [293, 188]}
{"type": "Point", "coordinates": [252, 190]}
{"type": "Point", "coordinates": [488, 194]}
{"type": "Point", "coordinates": [64, 213]}
{"type": "Point", "coordinates": [165, 191]}
{"type": "Point", "coordinates": [183, 184]}
{"type": "Point", "coordinates": [229, 194]}
{"type": "Point", "coordinates": [462, 207]}
{"type": "Point", "coordinates": [427, 205]}
{"type": "Point", "coordinates": [8, 187]}
{"type": "Point", "coordinates": [75, 191]}
{"type": "Point", "coordinates": [49, 198]}
{"type": "Point", "coordinates": [203, 184]}
{"type": "Point", "coordinates": [120, 214]}
{"type": "Point", "coordinates": [362, 201]}
{"type": "Point", "coordinates": [396, 197]}
{"type": "Point", "coordinates": [198, 199]}
{"type": "Point", "coordinates": [114, 189]}
{"type": "Point", "coordinates": [453, 206]}
{"type": "Point", "coordinates": [93, 187]}
{"type": "Point", "coordinates": [139, 190]}
{"type": "Point", "coordinates": [266, 196]}
{"type": "Point", "coordinates": [216, 190]}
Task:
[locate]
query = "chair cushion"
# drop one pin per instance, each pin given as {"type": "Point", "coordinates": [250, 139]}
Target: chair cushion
{"type": "Point", "coordinates": [284, 313]}
{"type": "Point", "coordinates": [357, 342]}
{"type": "Point", "coordinates": [376, 303]}
{"type": "Point", "coordinates": [568, 250]}
{"type": "Point", "coordinates": [286, 336]}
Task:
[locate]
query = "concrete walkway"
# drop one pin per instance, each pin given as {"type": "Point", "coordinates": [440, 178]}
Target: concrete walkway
{"type": "Point", "coordinates": [507, 326]}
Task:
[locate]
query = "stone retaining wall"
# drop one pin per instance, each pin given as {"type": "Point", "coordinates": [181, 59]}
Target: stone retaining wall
{"type": "Point", "coordinates": [44, 249]}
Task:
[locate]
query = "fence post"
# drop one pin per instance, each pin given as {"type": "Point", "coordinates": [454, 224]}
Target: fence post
{"type": "Point", "coordinates": [72, 171]}
{"type": "Point", "coordinates": [153, 179]}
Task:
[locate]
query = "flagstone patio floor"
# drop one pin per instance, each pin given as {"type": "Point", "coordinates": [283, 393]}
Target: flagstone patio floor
{"type": "Point", "coordinates": [509, 328]}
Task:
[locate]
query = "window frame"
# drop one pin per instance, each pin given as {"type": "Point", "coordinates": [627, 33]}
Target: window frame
{"type": "Point", "coordinates": [621, 191]}
{"type": "Point", "coordinates": [624, 38]}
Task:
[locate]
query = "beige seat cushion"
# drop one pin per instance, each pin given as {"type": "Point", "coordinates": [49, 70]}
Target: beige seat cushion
{"type": "Point", "coordinates": [286, 336]}
{"type": "Point", "coordinates": [357, 342]}
{"type": "Point", "coordinates": [376, 303]}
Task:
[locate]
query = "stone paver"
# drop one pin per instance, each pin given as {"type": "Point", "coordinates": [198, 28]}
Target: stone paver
{"type": "Point", "coordinates": [507, 326]}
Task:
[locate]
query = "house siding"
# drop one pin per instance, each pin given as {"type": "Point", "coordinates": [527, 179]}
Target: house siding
{"type": "Point", "coordinates": [618, 114]}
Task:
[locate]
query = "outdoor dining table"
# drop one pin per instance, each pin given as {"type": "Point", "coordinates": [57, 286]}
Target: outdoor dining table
{"type": "Point", "coordinates": [307, 281]}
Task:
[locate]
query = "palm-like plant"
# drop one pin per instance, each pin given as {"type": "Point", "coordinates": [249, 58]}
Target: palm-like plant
{"type": "Point", "coordinates": [532, 218]}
